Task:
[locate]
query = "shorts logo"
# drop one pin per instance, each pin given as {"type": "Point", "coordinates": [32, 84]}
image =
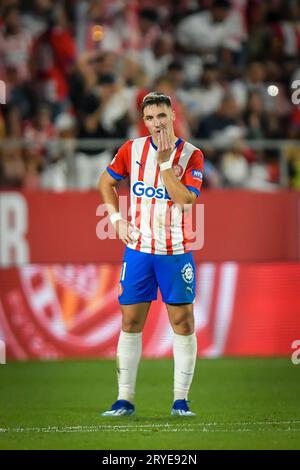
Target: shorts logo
{"type": "Point", "coordinates": [197, 174]}
{"type": "Point", "coordinates": [187, 273]}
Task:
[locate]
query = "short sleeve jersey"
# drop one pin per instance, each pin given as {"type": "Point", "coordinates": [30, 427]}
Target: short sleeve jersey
{"type": "Point", "coordinates": [159, 221]}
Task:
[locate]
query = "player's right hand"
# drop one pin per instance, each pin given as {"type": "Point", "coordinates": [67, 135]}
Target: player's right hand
{"type": "Point", "coordinates": [125, 231]}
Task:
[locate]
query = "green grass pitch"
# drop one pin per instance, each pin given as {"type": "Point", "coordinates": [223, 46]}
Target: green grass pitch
{"type": "Point", "coordinates": [240, 404]}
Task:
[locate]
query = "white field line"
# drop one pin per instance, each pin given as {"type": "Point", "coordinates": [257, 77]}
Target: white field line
{"type": "Point", "coordinates": [168, 427]}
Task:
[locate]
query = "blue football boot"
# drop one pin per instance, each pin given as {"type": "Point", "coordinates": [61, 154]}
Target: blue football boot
{"type": "Point", "coordinates": [181, 408]}
{"type": "Point", "coordinates": [120, 408]}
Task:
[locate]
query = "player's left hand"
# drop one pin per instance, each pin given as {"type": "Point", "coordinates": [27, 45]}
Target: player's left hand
{"type": "Point", "coordinates": [165, 147]}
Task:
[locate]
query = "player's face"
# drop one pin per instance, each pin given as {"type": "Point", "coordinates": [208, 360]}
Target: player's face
{"type": "Point", "coordinates": [158, 116]}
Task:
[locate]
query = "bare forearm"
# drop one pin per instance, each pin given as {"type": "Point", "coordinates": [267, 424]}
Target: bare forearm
{"type": "Point", "coordinates": [110, 197]}
{"type": "Point", "coordinates": [176, 190]}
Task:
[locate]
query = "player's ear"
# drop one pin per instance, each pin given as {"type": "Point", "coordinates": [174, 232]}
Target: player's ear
{"type": "Point", "coordinates": [173, 115]}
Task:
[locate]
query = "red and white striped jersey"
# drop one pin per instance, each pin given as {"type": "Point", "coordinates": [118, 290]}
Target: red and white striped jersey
{"type": "Point", "coordinates": [161, 223]}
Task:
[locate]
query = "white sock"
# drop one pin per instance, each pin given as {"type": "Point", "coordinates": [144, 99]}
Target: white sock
{"type": "Point", "coordinates": [129, 352]}
{"type": "Point", "coordinates": [185, 353]}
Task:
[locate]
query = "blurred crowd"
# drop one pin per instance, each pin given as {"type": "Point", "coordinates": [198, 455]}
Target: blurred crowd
{"type": "Point", "coordinates": [74, 71]}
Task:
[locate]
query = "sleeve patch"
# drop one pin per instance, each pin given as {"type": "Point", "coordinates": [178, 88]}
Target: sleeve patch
{"type": "Point", "coordinates": [197, 174]}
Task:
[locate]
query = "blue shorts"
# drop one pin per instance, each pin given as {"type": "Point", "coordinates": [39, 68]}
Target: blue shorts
{"type": "Point", "coordinates": [143, 273]}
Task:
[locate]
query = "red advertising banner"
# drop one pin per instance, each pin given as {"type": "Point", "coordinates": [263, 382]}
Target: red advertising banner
{"type": "Point", "coordinates": [243, 226]}
{"type": "Point", "coordinates": [59, 311]}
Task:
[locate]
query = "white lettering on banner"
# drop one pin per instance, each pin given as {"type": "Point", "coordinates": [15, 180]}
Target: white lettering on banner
{"type": "Point", "coordinates": [14, 249]}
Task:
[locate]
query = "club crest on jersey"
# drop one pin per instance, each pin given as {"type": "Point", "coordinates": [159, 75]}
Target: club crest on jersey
{"type": "Point", "coordinates": [178, 170]}
{"type": "Point", "coordinates": [187, 273]}
{"type": "Point", "coordinates": [140, 189]}
{"type": "Point", "coordinates": [197, 174]}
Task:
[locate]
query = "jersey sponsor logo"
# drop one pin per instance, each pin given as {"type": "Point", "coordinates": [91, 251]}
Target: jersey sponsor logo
{"type": "Point", "coordinates": [140, 189]}
{"type": "Point", "coordinates": [187, 273]}
{"type": "Point", "coordinates": [197, 174]}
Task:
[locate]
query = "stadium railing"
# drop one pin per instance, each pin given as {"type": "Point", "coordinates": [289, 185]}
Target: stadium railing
{"type": "Point", "coordinates": [67, 149]}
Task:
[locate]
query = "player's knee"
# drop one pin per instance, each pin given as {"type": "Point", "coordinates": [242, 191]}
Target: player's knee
{"type": "Point", "coordinates": [131, 325]}
{"type": "Point", "coordinates": [183, 324]}
{"type": "Point", "coordinates": [183, 328]}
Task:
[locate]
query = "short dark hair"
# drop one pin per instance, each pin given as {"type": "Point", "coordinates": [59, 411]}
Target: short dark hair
{"type": "Point", "coordinates": [156, 98]}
